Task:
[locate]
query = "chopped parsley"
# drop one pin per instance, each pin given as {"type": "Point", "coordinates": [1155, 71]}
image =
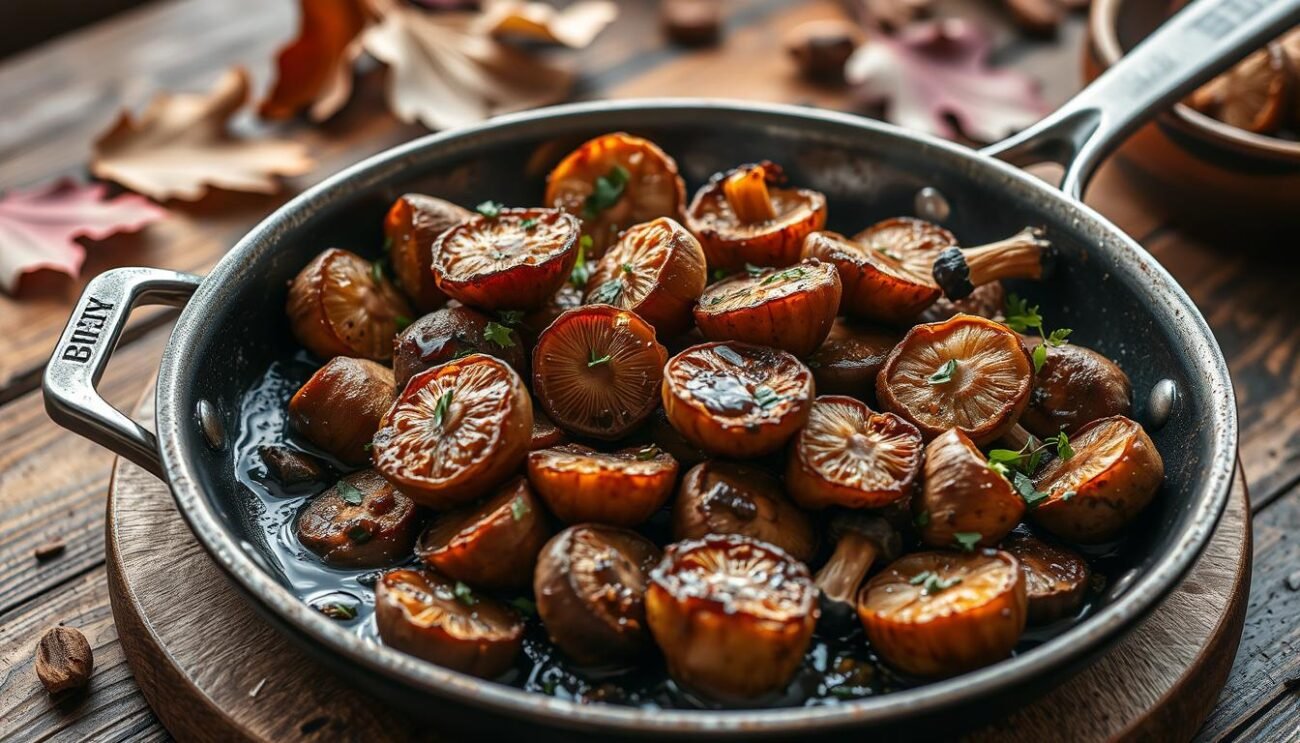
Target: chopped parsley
{"type": "Point", "coordinates": [499, 334]}
{"type": "Point", "coordinates": [607, 293]}
{"type": "Point", "coordinates": [377, 271]}
{"type": "Point", "coordinates": [518, 509]}
{"type": "Point", "coordinates": [606, 192]}
{"type": "Point", "coordinates": [1021, 317]}
{"type": "Point", "coordinates": [464, 594]}
{"type": "Point", "coordinates": [967, 540]}
{"type": "Point", "coordinates": [648, 453]}
{"type": "Point", "coordinates": [403, 322]}
{"type": "Point", "coordinates": [529, 224]}
{"type": "Point", "coordinates": [349, 493]}
{"type": "Point", "coordinates": [753, 270]}
{"type": "Point", "coordinates": [932, 583]}
{"type": "Point", "coordinates": [628, 268]}
{"type": "Point", "coordinates": [786, 275]}
{"type": "Point", "coordinates": [489, 209]}
{"type": "Point", "coordinates": [1027, 458]}
{"type": "Point", "coordinates": [944, 375]}
{"type": "Point", "coordinates": [721, 273]}
{"type": "Point", "coordinates": [511, 317]}
{"type": "Point", "coordinates": [440, 409]}
{"type": "Point", "coordinates": [1023, 485]}
{"type": "Point", "coordinates": [338, 610]}
{"type": "Point", "coordinates": [581, 271]}
{"type": "Point", "coordinates": [766, 397]}
{"type": "Point", "coordinates": [729, 355]}
{"type": "Point", "coordinates": [593, 361]}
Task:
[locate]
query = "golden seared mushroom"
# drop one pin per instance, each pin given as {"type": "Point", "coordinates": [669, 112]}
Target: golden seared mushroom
{"type": "Point", "coordinates": [861, 539]}
{"type": "Point", "coordinates": [445, 622]}
{"type": "Point", "coordinates": [877, 284]}
{"type": "Point", "coordinates": [339, 408]}
{"type": "Point", "coordinates": [848, 361]}
{"type": "Point", "coordinates": [507, 259]}
{"type": "Point", "coordinates": [413, 224]}
{"type": "Point", "coordinates": [361, 522]}
{"type": "Point", "coordinates": [596, 370]}
{"type": "Point", "coordinates": [964, 502]}
{"type": "Point", "coordinates": [1024, 255]}
{"type": "Point", "coordinates": [736, 400]}
{"type": "Point", "coordinates": [945, 613]}
{"type": "Point", "coordinates": [727, 498]}
{"type": "Point", "coordinates": [1075, 386]}
{"type": "Point", "coordinates": [740, 217]}
{"type": "Point", "coordinates": [624, 488]}
{"type": "Point", "coordinates": [455, 432]}
{"type": "Point", "coordinates": [788, 308]}
{"type": "Point", "coordinates": [545, 433]}
{"type": "Point", "coordinates": [452, 333]}
{"type": "Point", "coordinates": [656, 270]}
{"type": "Point", "coordinates": [1113, 475]}
{"type": "Point", "coordinates": [1254, 95]}
{"type": "Point", "coordinates": [340, 304]}
{"type": "Point", "coordinates": [590, 587]}
{"type": "Point", "coordinates": [968, 373]}
{"type": "Point", "coordinates": [493, 544]}
{"type": "Point", "coordinates": [1056, 578]}
{"type": "Point", "coordinates": [567, 298]}
{"type": "Point", "coordinates": [848, 456]}
{"type": "Point", "coordinates": [732, 615]}
{"type": "Point", "coordinates": [613, 182]}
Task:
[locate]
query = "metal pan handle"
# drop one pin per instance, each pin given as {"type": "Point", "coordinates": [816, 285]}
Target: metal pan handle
{"type": "Point", "coordinates": [88, 343]}
{"type": "Point", "coordinates": [1193, 46]}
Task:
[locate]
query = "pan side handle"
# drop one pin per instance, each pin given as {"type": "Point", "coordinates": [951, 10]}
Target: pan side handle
{"type": "Point", "coordinates": [87, 344]}
{"type": "Point", "coordinates": [1199, 42]}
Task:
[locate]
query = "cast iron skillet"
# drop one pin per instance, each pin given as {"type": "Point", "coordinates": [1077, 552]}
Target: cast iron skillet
{"type": "Point", "coordinates": [1115, 296]}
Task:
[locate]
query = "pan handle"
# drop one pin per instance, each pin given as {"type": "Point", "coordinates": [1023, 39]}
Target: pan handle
{"type": "Point", "coordinates": [87, 344]}
{"type": "Point", "coordinates": [1196, 44]}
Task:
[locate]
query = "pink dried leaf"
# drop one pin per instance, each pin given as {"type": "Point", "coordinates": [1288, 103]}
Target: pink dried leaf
{"type": "Point", "coordinates": [933, 73]}
{"type": "Point", "coordinates": [39, 228]}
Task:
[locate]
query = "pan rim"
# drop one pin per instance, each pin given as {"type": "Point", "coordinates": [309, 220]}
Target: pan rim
{"type": "Point", "coordinates": [1065, 650]}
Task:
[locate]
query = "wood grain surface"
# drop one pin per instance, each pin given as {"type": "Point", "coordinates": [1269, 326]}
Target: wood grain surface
{"type": "Point", "coordinates": [57, 96]}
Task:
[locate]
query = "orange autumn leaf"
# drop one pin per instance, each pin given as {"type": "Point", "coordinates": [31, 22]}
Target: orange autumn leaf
{"type": "Point", "coordinates": [314, 71]}
{"type": "Point", "coordinates": [180, 145]}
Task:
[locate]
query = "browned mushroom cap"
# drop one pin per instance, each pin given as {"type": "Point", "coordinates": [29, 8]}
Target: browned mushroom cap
{"type": "Point", "coordinates": [456, 431]}
{"type": "Point", "coordinates": [736, 400]}
{"type": "Point", "coordinates": [848, 456]}
{"type": "Point", "coordinates": [514, 260]}
{"type": "Point", "coordinates": [1114, 474]}
{"type": "Point", "coordinates": [426, 615]}
{"type": "Point", "coordinates": [451, 333]}
{"type": "Point", "coordinates": [493, 544]}
{"type": "Point", "coordinates": [340, 306]}
{"type": "Point", "coordinates": [733, 615]}
{"type": "Point", "coordinates": [656, 270]}
{"type": "Point", "coordinates": [624, 488]}
{"type": "Point", "coordinates": [740, 218]}
{"type": "Point", "coordinates": [590, 587]}
{"type": "Point", "coordinates": [727, 498]}
{"type": "Point", "coordinates": [545, 432]}
{"type": "Point", "coordinates": [986, 301]}
{"type": "Point", "coordinates": [1254, 95]}
{"type": "Point", "coordinates": [1056, 578]}
{"type": "Point", "coordinates": [847, 363]}
{"type": "Point", "coordinates": [289, 467]}
{"type": "Point", "coordinates": [790, 308]}
{"type": "Point", "coordinates": [412, 226]}
{"type": "Point", "coordinates": [361, 522]}
{"type": "Point", "coordinates": [339, 408]}
{"type": "Point", "coordinates": [963, 495]}
{"type": "Point", "coordinates": [914, 242]}
{"type": "Point", "coordinates": [968, 373]}
{"type": "Point", "coordinates": [861, 539]}
{"type": "Point", "coordinates": [877, 284]}
{"type": "Point", "coordinates": [533, 323]}
{"type": "Point", "coordinates": [613, 182]}
{"type": "Point", "coordinates": [1075, 385]}
{"type": "Point", "coordinates": [944, 613]}
{"type": "Point", "coordinates": [1024, 255]}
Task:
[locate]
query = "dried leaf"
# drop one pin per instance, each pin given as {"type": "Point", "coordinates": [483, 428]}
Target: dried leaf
{"type": "Point", "coordinates": [39, 228]}
{"type": "Point", "coordinates": [180, 145]}
{"type": "Point", "coordinates": [314, 71]}
{"type": "Point", "coordinates": [444, 73]}
{"type": "Point", "coordinates": [575, 26]}
{"type": "Point", "coordinates": [933, 71]}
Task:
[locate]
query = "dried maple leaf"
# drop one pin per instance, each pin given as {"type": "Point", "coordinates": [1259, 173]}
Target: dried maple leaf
{"type": "Point", "coordinates": [314, 71]}
{"type": "Point", "coordinates": [933, 73]}
{"type": "Point", "coordinates": [39, 228]}
{"type": "Point", "coordinates": [445, 73]}
{"type": "Point", "coordinates": [575, 26]}
{"type": "Point", "coordinates": [180, 145]}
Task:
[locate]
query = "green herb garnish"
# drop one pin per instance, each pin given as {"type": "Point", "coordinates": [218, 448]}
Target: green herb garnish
{"type": "Point", "coordinates": [349, 493]}
{"type": "Point", "coordinates": [1027, 458]}
{"type": "Point", "coordinates": [766, 397]}
{"type": "Point", "coordinates": [721, 273]}
{"type": "Point", "coordinates": [607, 293]}
{"type": "Point", "coordinates": [1023, 485]}
{"type": "Point", "coordinates": [931, 583]}
{"type": "Point", "coordinates": [1021, 317]}
{"type": "Point", "coordinates": [511, 317]}
{"type": "Point", "coordinates": [731, 356]}
{"type": "Point", "coordinates": [338, 610]}
{"type": "Point", "coordinates": [967, 539]}
{"type": "Point", "coordinates": [593, 361]}
{"type": "Point", "coordinates": [944, 375]}
{"type": "Point", "coordinates": [922, 518]}
{"type": "Point", "coordinates": [377, 271]}
{"type": "Point", "coordinates": [359, 534]}
{"type": "Point", "coordinates": [524, 606]}
{"type": "Point", "coordinates": [753, 270]}
{"type": "Point", "coordinates": [786, 275]}
{"type": "Point", "coordinates": [628, 268]}
{"type": "Point", "coordinates": [648, 453]}
{"type": "Point", "coordinates": [441, 407]}
{"type": "Point", "coordinates": [581, 271]}
{"type": "Point", "coordinates": [518, 509]}
{"type": "Point", "coordinates": [499, 334]}
{"type": "Point", "coordinates": [489, 209]}
{"type": "Point", "coordinates": [464, 594]}
{"type": "Point", "coordinates": [606, 192]}
{"type": "Point", "coordinates": [529, 224]}
{"type": "Point", "coordinates": [1068, 495]}
{"type": "Point", "coordinates": [403, 322]}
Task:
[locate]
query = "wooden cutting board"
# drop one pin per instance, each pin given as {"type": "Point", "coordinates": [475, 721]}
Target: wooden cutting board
{"type": "Point", "coordinates": [212, 669]}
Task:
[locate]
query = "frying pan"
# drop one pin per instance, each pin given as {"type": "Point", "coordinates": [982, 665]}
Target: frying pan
{"type": "Point", "coordinates": [1114, 295]}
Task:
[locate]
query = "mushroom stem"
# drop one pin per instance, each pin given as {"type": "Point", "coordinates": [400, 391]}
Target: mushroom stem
{"type": "Point", "coordinates": [840, 577]}
{"type": "Point", "coordinates": [746, 192]}
{"type": "Point", "coordinates": [1018, 438]}
{"type": "Point", "coordinates": [1024, 255]}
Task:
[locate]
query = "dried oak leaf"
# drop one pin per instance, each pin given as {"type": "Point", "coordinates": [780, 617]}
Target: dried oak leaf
{"type": "Point", "coordinates": [445, 73]}
{"type": "Point", "coordinates": [180, 146]}
{"type": "Point", "coordinates": [39, 228]}
{"type": "Point", "coordinates": [314, 71]}
{"type": "Point", "coordinates": [936, 72]}
{"type": "Point", "coordinates": [575, 26]}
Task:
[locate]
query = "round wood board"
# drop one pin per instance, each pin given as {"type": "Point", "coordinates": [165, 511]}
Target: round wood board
{"type": "Point", "coordinates": [212, 669]}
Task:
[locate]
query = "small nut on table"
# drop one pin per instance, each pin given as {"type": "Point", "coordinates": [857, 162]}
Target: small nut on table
{"type": "Point", "coordinates": [821, 48]}
{"type": "Point", "coordinates": [692, 22]}
{"type": "Point", "coordinates": [63, 659]}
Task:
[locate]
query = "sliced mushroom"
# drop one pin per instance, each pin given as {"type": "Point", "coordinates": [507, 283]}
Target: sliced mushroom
{"type": "Point", "coordinates": [740, 217]}
{"type": "Point", "coordinates": [451, 333]}
{"type": "Point", "coordinates": [580, 484]}
{"type": "Point", "coordinates": [1255, 95]}
{"type": "Point", "coordinates": [791, 308]}
{"type": "Point", "coordinates": [412, 226]}
{"type": "Point", "coordinates": [655, 269]}
{"type": "Point", "coordinates": [726, 498]}
{"type": "Point", "coordinates": [963, 495]}
{"type": "Point", "coordinates": [1076, 385]}
{"type": "Point", "coordinates": [363, 522]}
{"type": "Point", "coordinates": [508, 259]}
{"type": "Point", "coordinates": [491, 545]}
{"type": "Point", "coordinates": [848, 362]}
{"type": "Point", "coordinates": [545, 433]}
{"type": "Point", "coordinates": [340, 407]}
{"type": "Point", "coordinates": [1056, 578]}
{"type": "Point", "coordinates": [877, 284]}
{"type": "Point", "coordinates": [339, 305]}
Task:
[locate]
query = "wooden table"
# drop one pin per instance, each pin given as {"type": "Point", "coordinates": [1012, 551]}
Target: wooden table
{"type": "Point", "coordinates": [56, 97]}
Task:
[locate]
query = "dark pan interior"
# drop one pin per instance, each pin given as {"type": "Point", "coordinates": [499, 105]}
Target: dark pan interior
{"type": "Point", "coordinates": [1116, 302]}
